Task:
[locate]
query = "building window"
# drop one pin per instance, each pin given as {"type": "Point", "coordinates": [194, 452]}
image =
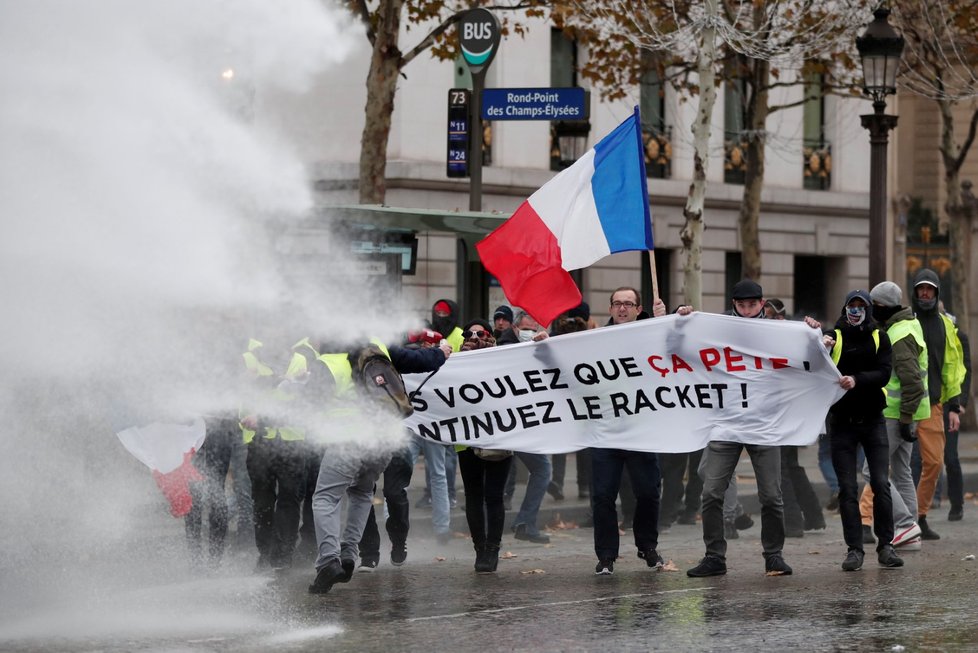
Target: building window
{"type": "Point", "coordinates": [732, 270]}
{"type": "Point", "coordinates": [568, 138]}
{"type": "Point", "coordinates": [656, 137]}
{"type": "Point", "coordinates": [816, 151]}
{"type": "Point", "coordinates": [811, 286]}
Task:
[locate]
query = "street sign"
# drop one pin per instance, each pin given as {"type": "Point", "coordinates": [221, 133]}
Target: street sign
{"type": "Point", "coordinates": [535, 104]}
{"type": "Point", "coordinates": [459, 100]}
{"type": "Point", "coordinates": [479, 36]}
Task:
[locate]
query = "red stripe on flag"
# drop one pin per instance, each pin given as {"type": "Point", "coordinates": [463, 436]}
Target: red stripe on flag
{"type": "Point", "coordinates": [523, 254]}
{"type": "Point", "coordinates": [176, 485]}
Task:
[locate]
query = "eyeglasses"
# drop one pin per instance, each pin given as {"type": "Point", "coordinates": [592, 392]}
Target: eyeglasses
{"type": "Point", "coordinates": [482, 334]}
{"type": "Point", "coordinates": [623, 304]}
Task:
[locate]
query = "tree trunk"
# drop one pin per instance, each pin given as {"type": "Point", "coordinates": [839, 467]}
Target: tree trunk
{"type": "Point", "coordinates": [959, 225]}
{"type": "Point", "coordinates": [692, 232]}
{"type": "Point", "coordinates": [385, 65]}
{"type": "Point", "coordinates": [750, 206]}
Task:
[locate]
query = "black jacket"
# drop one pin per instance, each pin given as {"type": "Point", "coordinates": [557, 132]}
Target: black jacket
{"type": "Point", "coordinates": [861, 359]}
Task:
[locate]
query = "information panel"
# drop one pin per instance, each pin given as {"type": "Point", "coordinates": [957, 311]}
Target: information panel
{"type": "Point", "coordinates": [458, 132]}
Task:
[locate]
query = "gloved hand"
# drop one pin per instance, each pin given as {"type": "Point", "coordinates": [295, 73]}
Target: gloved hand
{"type": "Point", "coordinates": [906, 433]}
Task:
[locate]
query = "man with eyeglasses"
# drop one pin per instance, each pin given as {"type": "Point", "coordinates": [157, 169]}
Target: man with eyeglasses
{"type": "Point", "coordinates": [608, 467]}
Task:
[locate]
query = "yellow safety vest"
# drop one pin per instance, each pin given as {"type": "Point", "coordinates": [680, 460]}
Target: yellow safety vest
{"type": "Point", "coordinates": [897, 332]}
{"type": "Point", "coordinates": [455, 339]}
{"type": "Point", "coordinates": [952, 375]}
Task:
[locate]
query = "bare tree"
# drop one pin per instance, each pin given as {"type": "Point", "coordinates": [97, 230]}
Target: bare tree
{"type": "Point", "coordinates": [940, 61]}
{"type": "Point", "coordinates": [763, 37]}
{"type": "Point", "coordinates": [383, 21]}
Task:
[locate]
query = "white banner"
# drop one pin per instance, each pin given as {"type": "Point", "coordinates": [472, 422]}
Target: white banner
{"type": "Point", "coordinates": [668, 384]}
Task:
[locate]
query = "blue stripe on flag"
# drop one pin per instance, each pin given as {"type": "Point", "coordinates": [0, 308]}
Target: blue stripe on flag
{"type": "Point", "coordinates": [620, 190]}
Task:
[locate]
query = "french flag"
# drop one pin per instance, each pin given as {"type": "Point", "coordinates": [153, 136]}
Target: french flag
{"type": "Point", "coordinates": [596, 207]}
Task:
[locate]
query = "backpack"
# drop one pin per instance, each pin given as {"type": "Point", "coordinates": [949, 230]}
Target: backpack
{"type": "Point", "coordinates": [379, 381]}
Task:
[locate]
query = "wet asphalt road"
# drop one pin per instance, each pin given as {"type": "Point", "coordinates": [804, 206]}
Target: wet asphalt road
{"type": "Point", "coordinates": [543, 598]}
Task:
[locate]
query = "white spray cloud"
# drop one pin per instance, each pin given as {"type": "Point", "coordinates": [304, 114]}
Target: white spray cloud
{"type": "Point", "coordinates": [136, 195]}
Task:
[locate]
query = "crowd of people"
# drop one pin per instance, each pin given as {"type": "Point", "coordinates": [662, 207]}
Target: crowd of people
{"type": "Point", "coordinates": [904, 367]}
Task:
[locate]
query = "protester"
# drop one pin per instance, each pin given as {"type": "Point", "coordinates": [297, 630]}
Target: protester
{"type": "Point", "coordinates": [862, 352]}
{"type": "Point", "coordinates": [484, 474]}
{"type": "Point", "coordinates": [426, 355]}
{"type": "Point", "coordinates": [720, 463]}
{"type": "Point", "coordinates": [572, 321]}
{"type": "Point", "coordinates": [945, 372]}
{"type": "Point", "coordinates": [906, 404]}
{"type": "Point", "coordinates": [538, 465]}
{"type": "Point", "coordinates": [608, 465]}
{"type": "Point", "coordinates": [952, 463]}
{"type": "Point", "coordinates": [503, 327]}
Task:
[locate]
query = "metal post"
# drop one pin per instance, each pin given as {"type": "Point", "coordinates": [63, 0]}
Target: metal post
{"type": "Point", "coordinates": [879, 125]}
{"type": "Point", "coordinates": [475, 144]}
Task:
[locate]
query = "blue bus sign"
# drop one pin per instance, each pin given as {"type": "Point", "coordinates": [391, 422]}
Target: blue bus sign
{"type": "Point", "coordinates": [535, 104]}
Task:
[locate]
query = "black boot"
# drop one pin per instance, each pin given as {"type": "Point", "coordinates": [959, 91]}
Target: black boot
{"type": "Point", "coordinates": [491, 559]}
{"type": "Point", "coordinates": [926, 533]}
{"type": "Point", "coordinates": [480, 558]}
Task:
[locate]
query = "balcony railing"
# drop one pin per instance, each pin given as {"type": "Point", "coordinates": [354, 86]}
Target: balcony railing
{"type": "Point", "coordinates": [817, 165]}
{"type": "Point", "coordinates": [658, 152]}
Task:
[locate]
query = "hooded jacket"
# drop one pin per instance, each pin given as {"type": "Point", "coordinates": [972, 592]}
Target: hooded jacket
{"type": "Point", "coordinates": [860, 357]}
{"type": "Point", "coordinates": [945, 364]}
{"type": "Point", "coordinates": [909, 389]}
{"type": "Point", "coordinates": [448, 325]}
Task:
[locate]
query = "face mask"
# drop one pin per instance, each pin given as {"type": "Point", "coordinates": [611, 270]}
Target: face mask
{"type": "Point", "coordinates": [927, 304]}
{"type": "Point", "coordinates": [855, 314]}
{"type": "Point", "coordinates": [526, 335]}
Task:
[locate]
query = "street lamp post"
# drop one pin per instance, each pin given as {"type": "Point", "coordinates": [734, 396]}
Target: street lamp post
{"type": "Point", "coordinates": [879, 48]}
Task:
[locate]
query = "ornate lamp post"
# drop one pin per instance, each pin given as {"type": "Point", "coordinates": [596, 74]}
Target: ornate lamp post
{"type": "Point", "coordinates": [879, 48]}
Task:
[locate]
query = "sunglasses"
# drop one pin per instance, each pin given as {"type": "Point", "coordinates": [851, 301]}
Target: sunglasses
{"type": "Point", "coordinates": [482, 334]}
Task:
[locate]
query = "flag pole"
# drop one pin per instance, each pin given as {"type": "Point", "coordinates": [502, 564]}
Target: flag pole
{"type": "Point", "coordinates": [655, 279]}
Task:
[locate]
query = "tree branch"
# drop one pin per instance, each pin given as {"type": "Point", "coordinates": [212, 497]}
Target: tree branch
{"type": "Point", "coordinates": [968, 141]}
{"type": "Point", "coordinates": [359, 8]}
{"type": "Point", "coordinates": [429, 40]}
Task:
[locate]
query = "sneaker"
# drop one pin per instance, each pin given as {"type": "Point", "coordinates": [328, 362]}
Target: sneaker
{"type": "Point", "coordinates": [743, 522]}
{"type": "Point", "coordinates": [453, 503]}
{"type": "Point", "coordinates": [776, 566]}
{"type": "Point", "coordinates": [888, 557]}
{"type": "Point", "coordinates": [730, 531]}
{"type": "Point", "coordinates": [687, 519]}
{"type": "Point", "coordinates": [708, 566]}
{"type": "Point", "coordinates": [868, 537]}
{"type": "Point", "coordinates": [604, 568]}
{"type": "Point", "coordinates": [956, 513]}
{"type": "Point", "coordinates": [794, 532]}
{"type": "Point", "coordinates": [652, 558]}
{"type": "Point", "coordinates": [853, 561]}
{"type": "Point", "coordinates": [925, 531]}
{"type": "Point", "coordinates": [348, 565]}
{"type": "Point", "coordinates": [907, 534]}
{"type": "Point", "coordinates": [816, 523]}
{"type": "Point", "coordinates": [327, 576]}
{"type": "Point", "coordinates": [912, 545]}
{"type": "Point", "coordinates": [398, 554]}
{"type": "Point", "coordinates": [536, 538]}
{"type": "Point", "coordinates": [368, 566]}
{"type": "Point", "coordinates": [423, 502]}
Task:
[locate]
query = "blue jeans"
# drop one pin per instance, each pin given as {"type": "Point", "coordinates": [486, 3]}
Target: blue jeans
{"type": "Point", "coordinates": [606, 470]}
{"type": "Point", "coordinates": [435, 458]}
{"type": "Point", "coordinates": [540, 470]}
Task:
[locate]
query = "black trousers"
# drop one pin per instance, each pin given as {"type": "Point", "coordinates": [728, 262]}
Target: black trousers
{"type": "Point", "coordinates": [582, 460]}
{"type": "Point", "coordinates": [277, 470]}
{"type": "Point", "coordinates": [675, 497]}
{"type": "Point", "coordinates": [847, 437]}
{"type": "Point", "coordinates": [802, 511]}
{"type": "Point", "coordinates": [484, 482]}
{"type": "Point", "coordinates": [608, 470]}
{"type": "Point", "coordinates": [397, 476]}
